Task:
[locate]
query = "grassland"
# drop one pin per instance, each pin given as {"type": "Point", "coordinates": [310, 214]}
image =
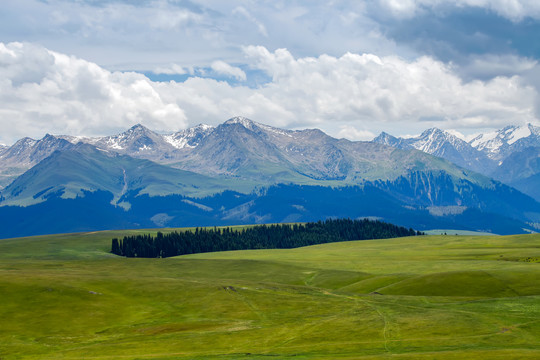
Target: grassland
{"type": "Point", "coordinates": [432, 297]}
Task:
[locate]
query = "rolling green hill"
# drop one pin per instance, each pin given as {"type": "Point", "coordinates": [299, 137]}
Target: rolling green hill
{"type": "Point", "coordinates": [432, 297]}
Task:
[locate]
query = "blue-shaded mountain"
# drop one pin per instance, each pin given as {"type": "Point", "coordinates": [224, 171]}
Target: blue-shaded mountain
{"type": "Point", "coordinates": [522, 171]}
{"type": "Point", "coordinates": [507, 155]}
{"type": "Point", "coordinates": [402, 202]}
{"type": "Point", "coordinates": [500, 144]}
{"type": "Point", "coordinates": [235, 174]}
{"type": "Point", "coordinates": [445, 145]}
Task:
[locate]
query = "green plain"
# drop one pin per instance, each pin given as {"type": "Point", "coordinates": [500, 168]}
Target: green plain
{"type": "Point", "coordinates": [429, 297]}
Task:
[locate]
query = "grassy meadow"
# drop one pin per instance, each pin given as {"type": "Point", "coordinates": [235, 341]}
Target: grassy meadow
{"type": "Point", "coordinates": [430, 297]}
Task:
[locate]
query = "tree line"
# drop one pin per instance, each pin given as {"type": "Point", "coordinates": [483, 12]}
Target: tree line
{"type": "Point", "coordinates": [278, 236]}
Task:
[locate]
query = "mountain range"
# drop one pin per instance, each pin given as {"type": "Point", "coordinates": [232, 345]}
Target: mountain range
{"type": "Point", "coordinates": [510, 155]}
{"type": "Point", "coordinates": [242, 171]}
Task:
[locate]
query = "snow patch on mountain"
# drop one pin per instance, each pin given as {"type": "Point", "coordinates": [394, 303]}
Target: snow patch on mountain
{"type": "Point", "coordinates": [253, 126]}
{"type": "Point", "coordinates": [188, 138]}
{"type": "Point", "coordinates": [177, 142]}
{"type": "Point", "coordinates": [501, 143]}
{"type": "Point", "coordinates": [519, 133]}
{"type": "Point", "coordinates": [276, 131]}
{"type": "Point", "coordinates": [457, 134]}
{"type": "Point", "coordinates": [114, 143]}
{"type": "Point", "coordinates": [443, 144]}
{"type": "Point", "coordinates": [487, 141]}
{"type": "Point", "coordinates": [245, 122]}
{"type": "Point", "coordinates": [430, 141]}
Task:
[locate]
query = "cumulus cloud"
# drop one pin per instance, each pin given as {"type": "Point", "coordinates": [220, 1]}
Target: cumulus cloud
{"type": "Point", "coordinates": [352, 96]}
{"type": "Point", "coordinates": [369, 88]}
{"type": "Point", "coordinates": [222, 68]}
{"type": "Point", "coordinates": [43, 91]}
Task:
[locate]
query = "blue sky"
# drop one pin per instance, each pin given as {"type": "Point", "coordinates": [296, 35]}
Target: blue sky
{"type": "Point", "coordinates": [352, 69]}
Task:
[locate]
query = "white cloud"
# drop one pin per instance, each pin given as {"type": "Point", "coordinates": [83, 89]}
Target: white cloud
{"type": "Point", "coordinates": [43, 91]}
{"type": "Point", "coordinates": [240, 10]}
{"type": "Point", "coordinates": [171, 69]}
{"type": "Point", "coordinates": [489, 66]}
{"type": "Point", "coordinates": [515, 10]}
{"type": "Point", "coordinates": [406, 8]}
{"type": "Point", "coordinates": [140, 35]}
{"type": "Point", "coordinates": [137, 35]}
{"type": "Point", "coordinates": [353, 96]}
{"type": "Point", "coordinates": [222, 68]}
{"type": "Point", "coordinates": [351, 133]}
{"type": "Point", "coordinates": [365, 87]}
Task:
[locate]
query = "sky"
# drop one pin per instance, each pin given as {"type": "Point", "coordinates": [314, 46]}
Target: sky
{"type": "Point", "coordinates": [349, 68]}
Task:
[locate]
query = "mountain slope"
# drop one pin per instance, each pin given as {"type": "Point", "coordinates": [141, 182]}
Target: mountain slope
{"type": "Point", "coordinates": [83, 168]}
{"type": "Point", "coordinates": [521, 170]}
{"type": "Point", "coordinates": [189, 138]}
{"type": "Point", "coordinates": [241, 152]}
{"type": "Point", "coordinates": [507, 155]}
{"type": "Point", "coordinates": [500, 144]}
{"type": "Point", "coordinates": [138, 142]}
{"type": "Point", "coordinates": [445, 145]}
{"type": "Point", "coordinates": [244, 172]}
{"type": "Point", "coordinates": [25, 153]}
{"type": "Point", "coordinates": [402, 202]}
{"type": "Point", "coordinates": [241, 148]}
{"type": "Point", "coordinates": [141, 142]}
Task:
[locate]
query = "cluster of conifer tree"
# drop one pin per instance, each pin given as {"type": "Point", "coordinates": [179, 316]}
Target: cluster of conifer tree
{"type": "Point", "coordinates": [280, 236]}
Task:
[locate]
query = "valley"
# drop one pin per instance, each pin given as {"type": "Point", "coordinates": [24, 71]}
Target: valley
{"type": "Point", "coordinates": [444, 297]}
{"type": "Point", "coordinates": [254, 180]}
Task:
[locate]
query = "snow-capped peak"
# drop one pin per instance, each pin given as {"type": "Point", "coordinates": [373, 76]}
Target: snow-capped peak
{"type": "Point", "coordinates": [498, 144]}
{"type": "Point", "coordinates": [432, 140]}
{"type": "Point", "coordinates": [75, 139]}
{"type": "Point", "coordinates": [245, 122]}
{"type": "Point", "coordinates": [428, 141]}
{"type": "Point", "coordinates": [486, 140]}
{"type": "Point", "coordinates": [138, 128]}
{"type": "Point", "coordinates": [253, 125]}
{"type": "Point", "coordinates": [202, 127]}
{"type": "Point", "coordinates": [456, 134]}
{"type": "Point", "coordinates": [25, 142]}
{"type": "Point", "coordinates": [387, 139]}
{"type": "Point", "coordinates": [495, 139]}
{"type": "Point", "coordinates": [239, 120]}
{"type": "Point", "coordinates": [188, 138]}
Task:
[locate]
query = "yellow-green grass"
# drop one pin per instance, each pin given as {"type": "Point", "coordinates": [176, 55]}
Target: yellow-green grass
{"type": "Point", "coordinates": [432, 297]}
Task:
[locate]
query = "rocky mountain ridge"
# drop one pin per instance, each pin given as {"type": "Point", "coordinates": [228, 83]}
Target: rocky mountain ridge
{"type": "Point", "coordinates": [238, 148]}
{"type": "Point", "coordinates": [508, 155]}
{"type": "Point", "coordinates": [500, 144]}
{"type": "Point", "coordinates": [241, 172]}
